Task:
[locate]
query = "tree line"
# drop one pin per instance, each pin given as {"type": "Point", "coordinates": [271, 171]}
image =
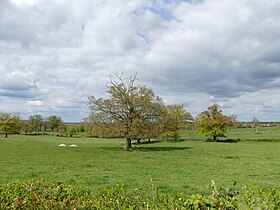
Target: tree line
{"type": "Point", "coordinates": [136, 113]}
{"type": "Point", "coordinates": [12, 124]}
{"type": "Point", "coordinates": [38, 125]}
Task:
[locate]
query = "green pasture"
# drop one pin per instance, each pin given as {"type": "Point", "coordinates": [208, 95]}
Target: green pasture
{"type": "Point", "coordinates": [187, 166]}
{"type": "Point", "coordinates": [243, 134]}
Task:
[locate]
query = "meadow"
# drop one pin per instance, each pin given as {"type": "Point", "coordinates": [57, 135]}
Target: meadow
{"type": "Point", "coordinates": [187, 166]}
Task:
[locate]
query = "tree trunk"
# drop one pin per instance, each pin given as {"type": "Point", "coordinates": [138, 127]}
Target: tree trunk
{"type": "Point", "coordinates": [128, 144]}
{"type": "Point", "coordinates": [6, 135]}
{"type": "Point", "coordinates": [138, 141]}
{"type": "Point", "coordinates": [214, 138]}
{"type": "Point", "coordinates": [149, 140]}
{"type": "Point", "coordinates": [176, 135]}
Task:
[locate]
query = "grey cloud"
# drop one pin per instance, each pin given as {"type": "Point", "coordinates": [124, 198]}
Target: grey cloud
{"type": "Point", "coordinates": [17, 25]}
{"type": "Point", "coordinates": [18, 83]}
{"type": "Point", "coordinates": [17, 94]}
{"type": "Point", "coordinates": [200, 51]}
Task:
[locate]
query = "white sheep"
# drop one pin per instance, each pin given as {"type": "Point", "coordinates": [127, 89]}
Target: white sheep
{"type": "Point", "coordinates": [73, 145]}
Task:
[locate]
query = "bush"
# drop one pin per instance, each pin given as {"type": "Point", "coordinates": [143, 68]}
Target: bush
{"type": "Point", "coordinates": [40, 195]}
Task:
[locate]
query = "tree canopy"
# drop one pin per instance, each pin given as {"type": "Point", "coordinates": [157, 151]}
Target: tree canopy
{"type": "Point", "coordinates": [35, 122]}
{"type": "Point", "coordinates": [176, 118]}
{"type": "Point", "coordinates": [127, 106]}
{"type": "Point", "coordinates": [255, 123]}
{"type": "Point", "coordinates": [212, 122]}
{"type": "Point", "coordinates": [54, 122]}
{"type": "Point", "coordinates": [9, 124]}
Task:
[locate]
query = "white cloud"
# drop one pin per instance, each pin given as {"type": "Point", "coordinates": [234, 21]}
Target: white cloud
{"type": "Point", "coordinates": [21, 3]}
{"type": "Point", "coordinates": [59, 52]}
{"type": "Point", "coordinates": [37, 103]}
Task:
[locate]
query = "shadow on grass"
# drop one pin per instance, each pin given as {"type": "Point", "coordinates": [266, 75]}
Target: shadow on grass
{"type": "Point", "coordinates": [176, 140]}
{"type": "Point", "coordinates": [224, 140]}
{"type": "Point", "coordinates": [184, 140]}
{"type": "Point", "coordinates": [146, 149]}
{"type": "Point", "coordinates": [261, 140]}
{"type": "Point", "coordinates": [147, 142]}
{"type": "Point", "coordinates": [229, 141]}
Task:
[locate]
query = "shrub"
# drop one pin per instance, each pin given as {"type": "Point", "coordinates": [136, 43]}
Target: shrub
{"type": "Point", "coordinates": [40, 195]}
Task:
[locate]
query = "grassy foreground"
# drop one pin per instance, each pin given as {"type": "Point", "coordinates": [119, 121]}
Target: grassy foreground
{"type": "Point", "coordinates": [187, 167]}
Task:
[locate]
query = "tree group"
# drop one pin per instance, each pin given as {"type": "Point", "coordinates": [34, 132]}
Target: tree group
{"type": "Point", "coordinates": [135, 112]}
{"type": "Point", "coordinates": [12, 124]}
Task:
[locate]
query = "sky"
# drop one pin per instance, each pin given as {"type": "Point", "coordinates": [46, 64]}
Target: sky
{"type": "Point", "coordinates": [56, 53]}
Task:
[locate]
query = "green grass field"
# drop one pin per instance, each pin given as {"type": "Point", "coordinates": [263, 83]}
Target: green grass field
{"type": "Point", "coordinates": [185, 166]}
{"type": "Point", "coordinates": [263, 134]}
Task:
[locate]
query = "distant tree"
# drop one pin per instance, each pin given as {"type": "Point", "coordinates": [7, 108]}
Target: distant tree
{"type": "Point", "coordinates": [212, 122]}
{"type": "Point", "coordinates": [72, 130]}
{"type": "Point", "coordinates": [176, 118]}
{"type": "Point", "coordinates": [97, 125]}
{"type": "Point", "coordinates": [9, 124]}
{"type": "Point", "coordinates": [234, 122]}
{"type": "Point", "coordinates": [35, 122]}
{"type": "Point", "coordinates": [127, 103]}
{"type": "Point", "coordinates": [62, 129]}
{"type": "Point", "coordinates": [25, 127]}
{"type": "Point", "coordinates": [54, 121]}
{"type": "Point", "coordinates": [255, 123]}
{"type": "Point", "coordinates": [82, 128]}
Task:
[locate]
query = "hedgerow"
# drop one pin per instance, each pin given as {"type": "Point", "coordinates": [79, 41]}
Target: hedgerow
{"type": "Point", "coordinates": [41, 195]}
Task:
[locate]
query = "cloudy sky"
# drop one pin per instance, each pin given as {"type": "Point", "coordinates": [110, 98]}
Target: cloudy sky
{"type": "Point", "coordinates": [55, 53]}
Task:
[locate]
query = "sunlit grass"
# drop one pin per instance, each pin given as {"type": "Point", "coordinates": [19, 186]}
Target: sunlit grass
{"type": "Point", "coordinates": [244, 134]}
{"type": "Point", "coordinates": [186, 166]}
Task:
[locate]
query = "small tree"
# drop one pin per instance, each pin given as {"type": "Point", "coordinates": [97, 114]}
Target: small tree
{"type": "Point", "coordinates": [72, 130]}
{"type": "Point", "coordinates": [234, 122]}
{"type": "Point", "coordinates": [255, 123]}
{"type": "Point", "coordinates": [98, 125]}
{"type": "Point", "coordinates": [62, 129]}
{"type": "Point", "coordinates": [212, 122]}
{"type": "Point", "coordinates": [24, 128]}
{"type": "Point", "coordinates": [35, 122]}
{"type": "Point", "coordinates": [54, 122]}
{"type": "Point", "coordinates": [9, 124]}
{"type": "Point", "coordinates": [176, 118]}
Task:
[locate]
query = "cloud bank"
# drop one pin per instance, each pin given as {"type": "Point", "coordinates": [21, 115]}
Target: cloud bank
{"type": "Point", "coordinates": [55, 53]}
